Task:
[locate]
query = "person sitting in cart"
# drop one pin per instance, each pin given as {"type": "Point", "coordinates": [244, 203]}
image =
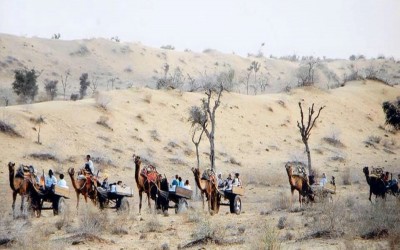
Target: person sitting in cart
{"type": "Point", "coordinates": [174, 184]}
{"type": "Point", "coordinates": [228, 183]}
{"type": "Point", "coordinates": [187, 186]}
{"type": "Point", "coordinates": [104, 184]}
{"type": "Point", "coordinates": [324, 180]}
{"type": "Point", "coordinates": [220, 181]}
{"type": "Point", "coordinates": [50, 181]}
{"type": "Point", "coordinates": [180, 182]}
{"type": "Point", "coordinates": [62, 182]}
{"type": "Point", "coordinates": [237, 182]}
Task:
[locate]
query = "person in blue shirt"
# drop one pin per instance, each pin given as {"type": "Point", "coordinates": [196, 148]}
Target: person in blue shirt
{"type": "Point", "coordinates": [180, 182]}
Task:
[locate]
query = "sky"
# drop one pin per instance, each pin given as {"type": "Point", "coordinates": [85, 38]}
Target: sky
{"type": "Point", "coordinates": [336, 28]}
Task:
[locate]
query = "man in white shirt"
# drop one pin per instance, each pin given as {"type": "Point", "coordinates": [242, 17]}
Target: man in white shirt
{"type": "Point", "coordinates": [62, 182]}
{"type": "Point", "coordinates": [89, 164]}
{"type": "Point", "coordinates": [324, 180]}
{"type": "Point", "coordinates": [51, 180]}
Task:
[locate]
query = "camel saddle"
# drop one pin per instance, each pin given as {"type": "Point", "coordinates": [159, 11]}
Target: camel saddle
{"type": "Point", "coordinates": [376, 172]}
{"type": "Point", "coordinates": [25, 171]}
{"type": "Point", "coordinates": [150, 172]}
{"type": "Point", "coordinates": [207, 174]}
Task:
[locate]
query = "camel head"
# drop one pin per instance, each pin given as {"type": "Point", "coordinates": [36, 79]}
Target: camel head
{"type": "Point", "coordinates": [366, 171]}
{"type": "Point", "coordinates": [289, 169]}
{"type": "Point", "coordinates": [196, 171]}
{"type": "Point", "coordinates": [137, 160]}
{"type": "Point", "coordinates": [71, 171]}
{"type": "Point", "coordinates": [11, 166]}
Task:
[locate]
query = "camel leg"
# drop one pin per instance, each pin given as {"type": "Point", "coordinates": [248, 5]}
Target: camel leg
{"type": "Point", "coordinates": [148, 199]}
{"type": "Point", "coordinates": [202, 198]}
{"type": "Point", "coordinates": [140, 201]}
{"type": "Point", "coordinates": [14, 198]}
{"type": "Point", "coordinates": [77, 200]}
{"type": "Point", "coordinates": [370, 193]}
{"type": "Point", "coordinates": [22, 202]}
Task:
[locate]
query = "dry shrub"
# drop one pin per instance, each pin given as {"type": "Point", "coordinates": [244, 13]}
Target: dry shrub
{"type": "Point", "coordinates": [102, 100]}
{"type": "Point", "coordinates": [154, 135]}
{"type": "Point", "coordinates": [153, 225]}
{"type": "Point", "coordinates": [92, 221]}
{"type": "Point", "coordinates": [346, 177]}
{"type": "Point", "coordinates": [282, 222]}
{"type": "Point", "coordinates": [372, 140]}
{"type": "Point", "coordinates": [44, 156]}
{"type": "Point", "coordinates": [147, 98]}
{"type": "Point", "coordinates": [268, 239]}
{"type": "Point", "coordinates": [333, 141]}
{"type": "Point", "coordinates": [381, 220]}
{"type": "Point", "coordinates": [103, 121]}
{"type": "Point", "coordinates": [8, 129]}
{"type": "Point", "coordinates": [281, 202]}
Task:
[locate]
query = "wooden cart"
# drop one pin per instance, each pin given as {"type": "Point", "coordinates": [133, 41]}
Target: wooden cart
{"type": "Point", "coordinates": [324, 192]}
{"type": "Point", "coordinates": [180, 197]}
{"type": "Point", "coordinates": [56, 200]}
{"type": "Point", "coordinates": [115, 200]}
{"type": "Point", "coordinates": [233, 198]}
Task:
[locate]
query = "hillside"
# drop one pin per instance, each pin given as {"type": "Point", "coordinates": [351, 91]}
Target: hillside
{"type": "Point", "coordinates": [134, 64]}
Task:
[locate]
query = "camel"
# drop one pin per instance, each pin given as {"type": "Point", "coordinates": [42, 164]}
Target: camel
{"type": "Point", "coordinates": [19, 185]}
{"type": "Point", "coordinates": [84, 187]}
{"type": "Point", "coordinates": [143, 184]}
{"type": "Point", "coordinates": [209, 189]}
{"type": "Point", "coordinates": [298, 183]}
{"type": "Point", "coordinates": [376, 185]}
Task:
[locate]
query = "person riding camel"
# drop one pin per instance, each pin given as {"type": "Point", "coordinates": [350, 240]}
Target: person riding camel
{"type": "Point", "coordinates": [89, 165]}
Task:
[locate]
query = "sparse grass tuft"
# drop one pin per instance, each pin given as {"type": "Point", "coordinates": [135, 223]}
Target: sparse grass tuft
{"type": "Point", "coordinates": [7, 128]}
{"type": "Point", "coordinates": [153, 225]}
{"type": "Point", "coordinates": [103, 121]}
{"type": "Point", "coordinates": [44, 156]}
{"type": "Point", "coordinates": [154, 135]}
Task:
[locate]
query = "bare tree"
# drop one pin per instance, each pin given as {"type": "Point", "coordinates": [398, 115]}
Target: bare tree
{"type": "Point", "coordinates": [306, 129]}
{"type": "Point", "coordinates": [94, 83]}
{"type": "Point", "coordinates": [263, 83]}
{"type": "Point", "coordinates": [246, 79]}
{"type": "Point", "coordinates": [306, 73]}
{"type": "Point", "coordinates": [51, 88]}
{"type": "Point", "coordinates": [198, 118]}
{"type": "Point", "coordinates": [64, 81]}
{"type": "Point", "coordinates": [255, 66]}
{"type": "Point", "coordinates": [193, 84]}
{"type": "Point", "coordinates": [112, 81]}
{"type": "Point", "coordinates": [213, 90]}
{"type": "Point", "coordinates": [38, 122]}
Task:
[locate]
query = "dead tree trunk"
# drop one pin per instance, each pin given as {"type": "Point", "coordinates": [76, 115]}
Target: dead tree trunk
{"type": "Point", "coordinates": [211, 115]}
{"type": "Point", "coordinates": [196, 144]}
{"type": "Point", "coordinates": [305, 130]}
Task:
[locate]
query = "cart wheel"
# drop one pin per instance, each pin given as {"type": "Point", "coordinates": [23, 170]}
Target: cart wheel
{"type": "Point", "coordinates": [182, 206]}
{"type": "Point", "coordinates": [62, 206]}
{"type": "Point", "coordinates": [235, 204]}
{"type": "Point", "coordinates": [124, 206]}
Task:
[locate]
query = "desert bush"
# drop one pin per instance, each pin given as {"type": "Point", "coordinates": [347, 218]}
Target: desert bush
{"type": "Point", "coordinates": [169, 47]}
{"type": "Point", "coordinates": [153, 225]}
{"type": "Point", "coordinates": [51, 88]}
{"type": "Point", "coordinates": [373, 139]}
{"type": "Point", "coordinates": [102, 101]}
{"type": "Point", "coordinates": [81, 51]}
{"type": "Point", "coordinates": [24, 84]}
{"type": "Point", "coordinates": [346, 177]}
{"type": "Point", "coordinates": [282, 222]}
{"type": "Point", "coordinates": [74, 97]}
{"type": "Point", "coordinates": [128, 69]}
{"type": "Point", "coordinates": [306, 73]}
{"type": "Point", "coordinates": [84, 84]}
{"type": "Point", "coordinates": [392, 113]}
{"type": "Point", "coordinates": [281, 202]}
{"type": "Point", "coordinates": [7, 128]}
{"type": "Point", "coordinates": [268, 239]}
{"type": "Point", "coordinates": [44, 156]}
{"type": "Point", "coordinates": [92, 221]}
{"type": "Point", "coordinates": [103, 121]}
{"type": "Point", "coordinates": [154, 135]}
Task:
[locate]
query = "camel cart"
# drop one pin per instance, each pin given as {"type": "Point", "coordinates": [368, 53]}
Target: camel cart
{"type": "Point", "coordinates": [180, 197]}
{"type": "Point", "coordinates": [233, 198]}
{"type": "Point", "coordinates": [115, 200]}
{"type": "Point", "coordinates": [56, 200]}
{"type": "Point", "coordinates": [323, 192]}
